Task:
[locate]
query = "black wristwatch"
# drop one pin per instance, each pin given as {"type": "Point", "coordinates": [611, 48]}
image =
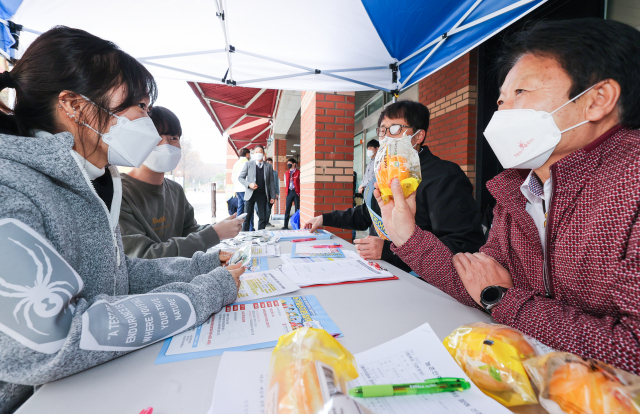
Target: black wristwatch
{"type": "Point", "coordinates": [491, 296]}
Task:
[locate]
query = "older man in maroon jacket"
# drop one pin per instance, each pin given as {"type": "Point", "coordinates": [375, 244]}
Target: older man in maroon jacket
{"type": "Point", "coordinates": [562, 262]}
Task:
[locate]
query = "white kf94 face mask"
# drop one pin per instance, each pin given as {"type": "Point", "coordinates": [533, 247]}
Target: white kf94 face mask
{"type": "Point", "coordinates": [257, 157]}
{"type": "Point", "coordinates": [525, 138]}
{"type": "Point", "coordinates": [163, 158]}
{"type": "Point", "coordinates": [130, 142]}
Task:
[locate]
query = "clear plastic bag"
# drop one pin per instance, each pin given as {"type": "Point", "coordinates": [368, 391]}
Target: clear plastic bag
{"type": "Point", "coordinates": [396, 158]}
{"type": "Point", "coordinates": [570, 384]}
{"type": "Point", "coordinates": [242, 255]}
{"type": "Point", "coordinates": [308, 368]}
{"type": "Point", "coordinates": [492, 356]}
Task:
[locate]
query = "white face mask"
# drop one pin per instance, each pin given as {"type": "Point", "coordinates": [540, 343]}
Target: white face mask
{"type": "Point", "coordinates": [525, 138]}
{"type": "Point", "coordinates": [130, 142]}
{"type": "Point", "coordinates": [163, 158]}
{"type": "Point", "coordinates": [404, 137]}
{"type": "Point", "coordinates": [369, 153]}
{"type": "Point", "coordinates": [257, 157]}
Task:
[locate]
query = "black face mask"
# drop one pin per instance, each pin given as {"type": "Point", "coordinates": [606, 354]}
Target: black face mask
{"type": "Point", "coordinates": [289, 166]}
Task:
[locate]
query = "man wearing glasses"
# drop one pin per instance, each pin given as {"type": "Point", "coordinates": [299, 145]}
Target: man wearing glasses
{"type": "Point", "coordinates": [445, 203]}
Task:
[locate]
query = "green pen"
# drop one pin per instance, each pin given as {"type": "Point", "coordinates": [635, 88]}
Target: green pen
{"type": "Point", "coordinates": [431, 386]}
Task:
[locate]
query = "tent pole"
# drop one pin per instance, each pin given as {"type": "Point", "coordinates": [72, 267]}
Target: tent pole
{"type": "Point", "coordinates": [210, 108]}
{"type": "Point", "coordinates": [228, 47]}
{"type": "Point", "coordinates": [202, 52]}
{"type": "Point", "coordinates": [188, 72]}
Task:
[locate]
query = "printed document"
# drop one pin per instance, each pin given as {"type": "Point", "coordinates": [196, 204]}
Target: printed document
{"type": "Point", "coordinates": [268, 250]}
{"type": "Point", "coordinates": [323, 273]}
{"type": "Point", "coordinates": [241, 381]}
{"type": "Point", "coordinates": [257, 285]}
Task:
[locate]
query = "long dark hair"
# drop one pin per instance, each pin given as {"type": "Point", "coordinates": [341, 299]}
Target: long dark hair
{"type": "Point", "coordinates": [71, 59]}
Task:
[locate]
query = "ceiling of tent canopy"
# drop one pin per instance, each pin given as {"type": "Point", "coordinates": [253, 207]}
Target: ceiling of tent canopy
{"type": "Point", "coordinates": [330, 45]}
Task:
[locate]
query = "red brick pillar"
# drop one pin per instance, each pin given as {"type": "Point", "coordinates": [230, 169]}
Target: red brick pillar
{"type": "Point", "coordinates": [326, 155]}
{"type": "Point", "coordinates": [451, 96]}
{"type": "Point", "coordinates": [232, 157]}
{"type": "Point", "coordinates": [280, 165]}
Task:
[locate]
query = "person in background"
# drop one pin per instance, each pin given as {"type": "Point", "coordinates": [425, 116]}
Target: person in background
{"type": "Point", "coordinates": [156, 219]}
{"type": "Point", "coordinates": [68, 293]}
{"type": "Point", "coordinates": [292, 182]}
{"type": "Point", "coordinates": [243, 157]}
{"type": "Point", "coordinates": [277, 182]}
{"type": "Point", "coordinates": [369, 175]}
{"type": "Point", "coordinates": [562, 263]}
{"type": "Point", "coordinates": [446, 206]}
{"type": "Point", "coordinates": [257, 176]}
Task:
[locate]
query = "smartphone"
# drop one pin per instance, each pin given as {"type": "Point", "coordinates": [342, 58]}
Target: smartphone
{"type": "Point", "coordinates": [241, 216]}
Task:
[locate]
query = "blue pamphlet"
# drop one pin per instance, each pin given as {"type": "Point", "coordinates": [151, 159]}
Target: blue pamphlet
{"type": "Point", "coordinates": [303, 251]}
{"type": "Point", "coordinates": [244, 326]}
{"type": "Point", "coordinates": [258, 264]}
{"type": "Point", "coordinates": [287, 235]}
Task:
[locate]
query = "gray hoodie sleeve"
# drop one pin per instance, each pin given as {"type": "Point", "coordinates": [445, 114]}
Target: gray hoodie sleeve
{"type": "Point", "coordinates": [181, 291]}
{"type": "Point", "coordinates": [137, 244]}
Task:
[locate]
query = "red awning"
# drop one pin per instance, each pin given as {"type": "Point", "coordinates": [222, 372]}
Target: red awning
{"type": "Point", "coordinates": [245, 114]}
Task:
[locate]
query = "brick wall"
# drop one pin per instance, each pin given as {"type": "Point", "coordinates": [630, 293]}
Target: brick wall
{"type": "Point", "coordinates": [326, 150]}
{"type": "Point", "coordinates": [451, 96]}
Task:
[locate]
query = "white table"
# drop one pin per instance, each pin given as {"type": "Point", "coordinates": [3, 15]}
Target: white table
{"type": "Point", "coordinates": [368, 314]}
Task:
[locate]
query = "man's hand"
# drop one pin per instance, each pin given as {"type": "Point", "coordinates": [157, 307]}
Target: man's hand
{"type": "Point", "coordinates": [314, 224]}
{"type": "Point", "coordinates": [399, 214]}
{"type": "Point", "coordinates": [224, 256]}
{"type": "Point", "coordinates": [370, 248]}
{"type": "Point", "coordinates": [253, 186]}
{"type": "Point", "coordinates": [478, 271]}
{"type": "Point", "coordinates": [360, 189]}
{"type": "Point", "coordinates": [272, 201]}
{"type": "Point", "coordinates": [236, 271]}
{"type": "Point", "coordinates": [229, 227]}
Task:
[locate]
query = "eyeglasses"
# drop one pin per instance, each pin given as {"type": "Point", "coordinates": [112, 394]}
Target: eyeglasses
{"type": "Point", "coordinates": [393, 129]}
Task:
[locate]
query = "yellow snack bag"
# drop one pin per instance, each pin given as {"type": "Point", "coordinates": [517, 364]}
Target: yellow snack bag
{"type": "Point", "coordinates": [492, 356]}
{"type": "Point", "coordinates": [570, 384]}
{"type": "Point", "coordinates": [396, 158]}
{"type": "Point", "coordinates": [308, 367]}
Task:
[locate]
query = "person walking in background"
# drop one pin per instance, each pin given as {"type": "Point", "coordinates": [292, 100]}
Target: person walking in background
{"type": "Point", "coordinates": [277, 195]}
{"type": "Point", "coordinates": [156, 219]}
{"type": "Point", "coordinates": [292, 182]}
{"type": "Point", "coordinates": [257, 176]}
{"type": "Point", "coordinates": [372, 150]}
{"type": "Point", "coordinates": [237, 185]}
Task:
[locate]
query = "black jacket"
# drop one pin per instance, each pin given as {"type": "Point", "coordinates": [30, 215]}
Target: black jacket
{"type": "Point", "coordinates": [444, 206]}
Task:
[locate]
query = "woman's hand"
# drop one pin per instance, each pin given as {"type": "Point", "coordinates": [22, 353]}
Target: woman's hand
{"type": "Point", "coordinates": [236, 271]}
{"type": "Point", "coordinates": [399, 214]}
{"type": "Point", "coordinates": [224, 256]}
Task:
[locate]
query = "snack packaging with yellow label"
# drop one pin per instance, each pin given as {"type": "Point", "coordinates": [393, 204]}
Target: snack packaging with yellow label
{"type": "Point", "coordinates": [492, 356]}
{"type": "Point", "coordinates": [309, 368]}
{"type": "Point", "coordinates": [396, 158]}
{"type": "Point", "coordinates": [570, 384]}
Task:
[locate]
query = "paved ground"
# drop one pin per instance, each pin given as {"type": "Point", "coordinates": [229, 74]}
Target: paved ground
{"type": "Point", "coordinates": [201, 202]}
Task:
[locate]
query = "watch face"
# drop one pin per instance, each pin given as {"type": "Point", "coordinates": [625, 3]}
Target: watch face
{"type": "Point", "coordinates": [491, 295]}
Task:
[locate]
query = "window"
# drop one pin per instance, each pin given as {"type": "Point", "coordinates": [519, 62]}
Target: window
{"type": "Point", "coordinates": [376, 104]}
{"type": "Point", "coordinates": [359, 116]}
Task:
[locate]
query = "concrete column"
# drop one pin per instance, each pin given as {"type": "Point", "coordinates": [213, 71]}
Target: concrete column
{"type": "Point", "coordinates": [326, 149]}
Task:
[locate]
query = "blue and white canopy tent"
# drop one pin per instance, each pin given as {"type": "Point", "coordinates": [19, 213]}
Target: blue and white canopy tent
{"type": "Point", "coordinates": [330, 45]}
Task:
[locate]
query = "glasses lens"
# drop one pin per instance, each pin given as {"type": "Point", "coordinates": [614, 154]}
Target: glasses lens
{"type": "Point", "coordinates": [395, 129]}
{"type": "Point", "coordinates": [381, 131]}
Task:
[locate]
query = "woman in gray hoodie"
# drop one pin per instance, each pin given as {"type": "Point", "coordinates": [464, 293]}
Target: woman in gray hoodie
{"type": "Point", "coordinates": [70, 298]}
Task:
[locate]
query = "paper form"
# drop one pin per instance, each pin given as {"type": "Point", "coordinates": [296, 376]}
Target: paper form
{"type": "Point", "coordinates": [269, 250]}
{"type": "Point", "coordinates": [247, 325]}
{"type": "Point", "coordinates": [235, 325]}
{"type": "Point", "coordinates": [318, 273]}
{"type": "Point", "coordinates": [301, 234]}
{"type": "Point", "coordinates": [413, 357]}
{"type": "Point", "coordinates": [349, 254]}
{"type": "Point", "coordinates": [233, 373]}
{"type": "Point", "coordinates": [257, 264]}
{"type": "Point", "coordinates": [257, 285]}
